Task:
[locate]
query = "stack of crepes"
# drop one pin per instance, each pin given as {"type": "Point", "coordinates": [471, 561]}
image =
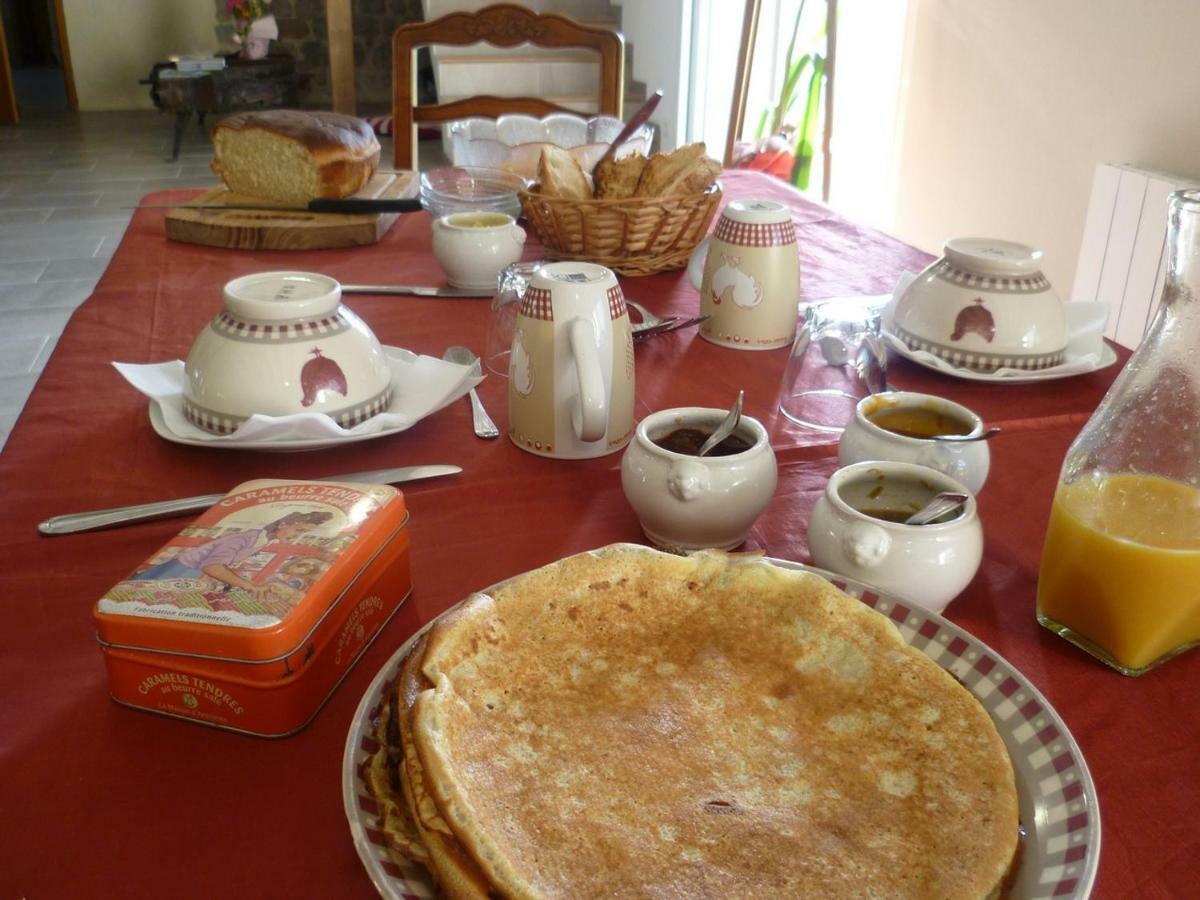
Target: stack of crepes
{"type": "Point", "coordinates": [628, 723]}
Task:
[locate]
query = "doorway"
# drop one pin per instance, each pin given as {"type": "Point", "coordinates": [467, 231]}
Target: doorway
{"type": "Point", "coordinates": [35, 63]}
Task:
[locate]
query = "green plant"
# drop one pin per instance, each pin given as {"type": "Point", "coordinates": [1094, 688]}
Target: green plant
{"type": "Point", "coordinates": [804, 76]}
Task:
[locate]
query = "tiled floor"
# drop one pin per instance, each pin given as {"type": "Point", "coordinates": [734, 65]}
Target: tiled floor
{"type": "Point", "coordinates": [65, 182]}
{"type": "Point", "coordinates": [65, 179]}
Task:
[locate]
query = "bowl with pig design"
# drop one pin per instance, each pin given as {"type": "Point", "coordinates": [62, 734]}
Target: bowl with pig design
{"type": "Point", "coordinates": [984, 305]}
{"type": "Point", "coordinates": [283, 344]}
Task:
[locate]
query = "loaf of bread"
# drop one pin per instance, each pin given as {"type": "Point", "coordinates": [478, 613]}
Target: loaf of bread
{"type": "Point", "coordinates": [292, 156]}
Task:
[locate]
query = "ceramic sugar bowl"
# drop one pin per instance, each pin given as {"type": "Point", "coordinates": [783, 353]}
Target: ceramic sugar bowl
{"type": "Point", "coordinates": [857, 530]}
{"type": "Point", "coordinates": [474, 247]}
{"type": "Point", "coordinates": [688, 502]}
{"type": "Point", "coordinates": [284, 344]}
{"type": "Point", "coordinates": [984, 305]}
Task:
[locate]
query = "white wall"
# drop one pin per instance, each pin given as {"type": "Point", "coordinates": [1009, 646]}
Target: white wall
{"type": "Point", "coordinates": [114, 43]}
{"type": "Point", "coordinates": [658, 32]}
{"type": "Point", "coordinates": [1010, 105]}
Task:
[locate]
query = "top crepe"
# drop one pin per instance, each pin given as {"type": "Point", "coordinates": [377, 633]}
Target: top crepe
{"type": "Point", "coordinates": [626, 722]}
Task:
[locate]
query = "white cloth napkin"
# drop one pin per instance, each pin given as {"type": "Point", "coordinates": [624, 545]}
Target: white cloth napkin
{"type": "Point", "coordinates": [421, 385]}
{"type": "Point", "coordinates": [1085, 340]}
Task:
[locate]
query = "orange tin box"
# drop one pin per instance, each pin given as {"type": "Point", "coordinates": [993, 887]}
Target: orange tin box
{"type": "Point", "coordinates": [249, 618]}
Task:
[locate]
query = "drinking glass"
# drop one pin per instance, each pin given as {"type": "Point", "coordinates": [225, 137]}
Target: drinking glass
{"type": "Point", "coordinates": [838, 358]}
{"type": "Point", "coordinates": [510, 291]}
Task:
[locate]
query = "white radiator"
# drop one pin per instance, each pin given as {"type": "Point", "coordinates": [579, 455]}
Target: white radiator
{"type": "Point", "coordinates": [1122, 259]}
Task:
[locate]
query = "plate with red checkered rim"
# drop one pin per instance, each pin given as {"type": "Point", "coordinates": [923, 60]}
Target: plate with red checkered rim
{"type": "Point", "coordinates": [1059, 810]}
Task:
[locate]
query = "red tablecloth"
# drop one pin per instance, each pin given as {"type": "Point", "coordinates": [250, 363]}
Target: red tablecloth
{"type": "Point", "coordinates": [97, 799]}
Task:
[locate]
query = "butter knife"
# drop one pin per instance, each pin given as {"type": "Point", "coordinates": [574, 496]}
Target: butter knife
{"type": "Point", "coordinates": [141, 512]}
{"type": "Point", "coordinates": [347, 206]}
{"type": "Point", "coordinates": [414, 290]}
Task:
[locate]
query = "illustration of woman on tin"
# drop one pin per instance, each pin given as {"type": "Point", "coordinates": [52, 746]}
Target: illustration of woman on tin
{"type": "Point", "coordinates": [217, 558]}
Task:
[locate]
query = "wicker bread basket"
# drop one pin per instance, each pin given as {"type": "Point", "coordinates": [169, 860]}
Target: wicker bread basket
{"type": "Point", "coordinates": [632, 236]}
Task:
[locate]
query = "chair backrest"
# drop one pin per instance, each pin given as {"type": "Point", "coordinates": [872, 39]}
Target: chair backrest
{"type": "Point", "coordinates": [503, 25]}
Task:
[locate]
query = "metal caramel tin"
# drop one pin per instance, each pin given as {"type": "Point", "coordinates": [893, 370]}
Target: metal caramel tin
{"type": "Point", "coordinates": [250, 617]}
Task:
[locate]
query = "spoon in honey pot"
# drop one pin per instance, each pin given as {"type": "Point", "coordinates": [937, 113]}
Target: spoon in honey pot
{"type": "Point", "coordinates": [940, 505]}
{"type": "Point", "coordinates": [725, 429]}
{"type": "Point", "coordinates": [963, 438]}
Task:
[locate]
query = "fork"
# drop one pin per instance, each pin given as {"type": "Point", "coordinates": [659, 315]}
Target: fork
{"type": "Point", "coordinates": [649, 319]}
{"type": "Point", "coordinates": [668, 326]}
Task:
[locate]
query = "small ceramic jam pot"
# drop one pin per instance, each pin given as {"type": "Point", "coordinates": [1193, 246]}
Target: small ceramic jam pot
{"type": "Point", "coordinates": [284, 344]}
{"type": "Point", "coordinates": [857, 530]}
{"type": "Point", "coordinates": [688, 502]}
{"type": "Point", "coordinates": [474, 247]}
{"type": "Point", "coordinates": [984, 305]}
{"type": "Point", "coordinates": [902, 426]}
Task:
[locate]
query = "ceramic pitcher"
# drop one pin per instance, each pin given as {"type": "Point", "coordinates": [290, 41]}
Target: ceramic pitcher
{"type": "Point", "coordinates": [570, 389]}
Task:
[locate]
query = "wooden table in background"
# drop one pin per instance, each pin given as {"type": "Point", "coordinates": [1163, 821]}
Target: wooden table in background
{"type": "Point", "coordinates": [243, 84]}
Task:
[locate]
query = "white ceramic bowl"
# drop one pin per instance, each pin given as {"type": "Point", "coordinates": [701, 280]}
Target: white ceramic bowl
{"type": "Point", "coordinates": [284, 344]}
{"type": "Point", "coordinates": [515, 141]}
{"type": "Point", "coordinates": [687, 502]}
{"type": "Point", "coordinates": [984, 305]}
{"type": "Point", "coordinates": [866, 439]}
{"type": "Point", "coordinates": [928, 565]}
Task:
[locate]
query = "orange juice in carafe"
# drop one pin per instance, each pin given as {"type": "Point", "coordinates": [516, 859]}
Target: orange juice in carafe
{"type": "Point", "coordinates": [1120, 572]}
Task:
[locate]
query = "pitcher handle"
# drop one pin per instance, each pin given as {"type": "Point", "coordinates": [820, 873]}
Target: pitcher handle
{"type": "Point", "coordinates": [696, 263]}
{"type": "Point", "coordinates": [590, 416]}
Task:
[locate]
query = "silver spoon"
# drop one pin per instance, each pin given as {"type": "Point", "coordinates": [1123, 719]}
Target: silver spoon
{"type": "Point", "coordinates": [726, 427]}
{"type": "Point", "coordinates": [484, 426]}
{"type": "Point", "coordinates": [649, 319]}
{"type": "Point", "coordinates": [945, 502]}
{"type": "Point", "coordinates": [962, 438]}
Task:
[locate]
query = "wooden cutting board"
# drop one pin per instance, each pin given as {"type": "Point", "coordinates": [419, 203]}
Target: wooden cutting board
{"type": "Point", "coordinates": [269, 230]}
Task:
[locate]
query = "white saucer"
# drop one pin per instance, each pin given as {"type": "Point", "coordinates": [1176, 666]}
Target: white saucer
{"type": "Point", "coordinates": [1070, 367]}
{"type": "Point", "coordinates": [422, 386]}
{"type": "Point", "coordinates": [284, 446]}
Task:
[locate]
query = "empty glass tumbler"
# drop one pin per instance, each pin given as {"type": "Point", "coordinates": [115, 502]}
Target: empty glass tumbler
{"type": "Point", "coordinates": [510, 291]}
{"type": "Point", "coordinates": [838, 358]}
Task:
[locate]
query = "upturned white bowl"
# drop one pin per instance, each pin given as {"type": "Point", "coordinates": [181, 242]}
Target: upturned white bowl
{"type": "Point", "coordinates": [984, 305]}
{"type": "Point", "coordinates": [284, 344]}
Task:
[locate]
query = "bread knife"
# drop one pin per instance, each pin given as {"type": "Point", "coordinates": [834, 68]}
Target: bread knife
{"type": "Point", "coordinates": [347, 206]}
{"type": "Point", "coordinates": [141, 512]}
{"type": "Point", "coordinates": [640, 118]}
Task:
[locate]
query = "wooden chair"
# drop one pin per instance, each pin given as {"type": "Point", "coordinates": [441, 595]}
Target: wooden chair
{"type": "Point", "coordinates": [503, 25]}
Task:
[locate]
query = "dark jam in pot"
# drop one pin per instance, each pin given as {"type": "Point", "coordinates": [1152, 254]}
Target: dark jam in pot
{"type": "Point", "coordinates": [689, 440]}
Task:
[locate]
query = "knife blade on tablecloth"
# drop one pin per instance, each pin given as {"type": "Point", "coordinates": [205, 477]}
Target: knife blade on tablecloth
{"type": "Point", "coordinates": [141, 512]}
{"type": "Point", "coordinates": [415, 290]}
{"type": "Point", "coordinates": [348, 206]}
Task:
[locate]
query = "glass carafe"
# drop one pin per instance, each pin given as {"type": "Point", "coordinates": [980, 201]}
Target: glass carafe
{"type": "Point", "coordinates": [1120, 573]}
